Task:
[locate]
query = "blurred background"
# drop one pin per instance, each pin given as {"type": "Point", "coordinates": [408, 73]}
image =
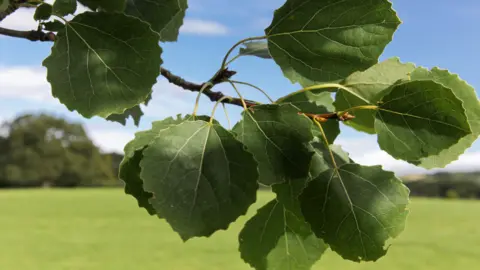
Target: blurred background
{"type": "Point", "coordinates": [63, 207]}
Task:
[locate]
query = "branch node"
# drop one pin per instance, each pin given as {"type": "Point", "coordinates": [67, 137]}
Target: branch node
{"type": "Point", "coordinates": [324, 117]}
{"type": "Point", "coordinates": [223, 76]}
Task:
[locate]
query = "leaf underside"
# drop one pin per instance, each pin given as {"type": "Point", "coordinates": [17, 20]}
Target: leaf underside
{"type": "Point", "coordinates": [164, 16]}
{"type": "Point", "coordinates": [277, 238]}
{"type": "Point", "coordinates": [106, 5]}
{"type": "Point", "coordinates": [316, 103]}
{"type": "Point", "coordinates": [64, 7]}
{"type": "Point", "coordinates": [277, 136]}
{"type": "Point", "coordinates": [43, 12]}
{"type": "Point", "coordinates": [256, 48]}
{"type": "Point", "coordinates": [135, 113]}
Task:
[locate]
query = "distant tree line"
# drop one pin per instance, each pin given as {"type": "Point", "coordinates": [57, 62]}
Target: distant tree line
{"type": "Point", "coordinates": [446, 185]}
{"type": "Point", "coordinates": [38, 150]}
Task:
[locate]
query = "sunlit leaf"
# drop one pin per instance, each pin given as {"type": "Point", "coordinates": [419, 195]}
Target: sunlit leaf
{"type": "Point", "coordinates": [367, 88]}
{"type": "Point", "coordinates": [322, 159]}
{"type": "Point", "coordinates": [419, 118]}
{"type": "Point", "coordinates": [130, 165]}
{"type": "Point", "coordinates": [99, 68]}
{"type": "Point", "coordinates": [201, 177]}
{"type": "Point", "coordinates": [355, 209]}
{"type": "Point", "coordinates": [467, 95]}
{"type": "Point", "coordinates": [320, 41]}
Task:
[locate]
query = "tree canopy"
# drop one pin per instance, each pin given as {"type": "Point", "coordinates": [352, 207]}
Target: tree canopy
{"type": "Point", "coordinates": [43, 150]}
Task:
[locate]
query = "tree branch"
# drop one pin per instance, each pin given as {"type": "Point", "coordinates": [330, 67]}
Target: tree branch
{"type": "Point", "coordinates": [213, 95]}
{"type": "Point", "coordinates": [324, 117]}
{"type": "Point", "coordinates": [32, 35]}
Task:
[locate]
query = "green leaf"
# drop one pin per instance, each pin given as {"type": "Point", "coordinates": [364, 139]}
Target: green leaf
{"type": "Point", "coordinates": [43, 12]}
{"type": "Point", "coordinates": [316, 103]}
{"type": "Point", "coordinates": [467, 95]}
{"type": "Point", "coordinates": [98, 70]}
{"type": "Point", "coordinates": [277, 136]}
{"type": "Point", "coordinates": [129, 171]}
{"type": "Point", "coordinates": [201, 176]}
{"type": "Point", "coordinates": [324, 41]}
{"type": "Point", "coordinates": [106, 5]}
{"type": "Point", "coordinates": [54, 26]}
{"type": "Point", "coordinates": [367, 88]}
{"type": "Point", "coordinates": [288, 192]}
{"type": "Point", "coordinates": [355, 209]}
{"type": "Point", "coordinates": [130, 165]}
{"type": "Point", "coordinates": [322, 160]}
{"type": "Point", "coordinates": [4, 4]}
{"type": "Point", "coordinates": [417, 119]}
{"type": "Point", "coordinates": [64, 7]}
{"type": "Point", "coordinates": [276, 238]}
{"type": "Point", "coordinates": [135, 112]}
{"type": "Point", "coordinates": [164, 16]}
{"type": "Point", "coordinates": [256, 48]}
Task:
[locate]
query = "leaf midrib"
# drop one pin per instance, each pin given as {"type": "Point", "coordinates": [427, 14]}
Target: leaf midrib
{"type": "Point", "coordinates": [179, 6]}
{"type": "Point", "coordinates": [200, 167]}
{"type": "Point", "coordinates": [268, 139]}
{"type": "Point", "coordinates": [425, 119]}
{"type": "Point", "coordinates": [100, 58]}
{"type": "Point", "coordinates": [337, 171]}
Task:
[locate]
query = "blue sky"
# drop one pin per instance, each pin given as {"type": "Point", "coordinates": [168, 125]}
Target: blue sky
{"type": "Point", "coordinates": [439, 33]}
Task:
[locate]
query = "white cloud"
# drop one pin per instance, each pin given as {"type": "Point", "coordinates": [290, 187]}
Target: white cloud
{"type": "Point", "coordinates": [203, 27]}
{"type": "Point", "coordinates": [22, 19]}
{"type": "Point", "coordinates": [110, 140]}
{"type": "Point", "coordinates": [169, 100]}
{"type": "Point", "coordinates": [25, 82]}
{"type": "Point", "coordinates": [28, 85]}
{"type": "Point", "coordinates": [366, 151]}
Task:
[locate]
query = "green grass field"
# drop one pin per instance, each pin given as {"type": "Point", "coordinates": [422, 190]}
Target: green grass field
{"type": "Point", "coordinates": [103, 229]}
